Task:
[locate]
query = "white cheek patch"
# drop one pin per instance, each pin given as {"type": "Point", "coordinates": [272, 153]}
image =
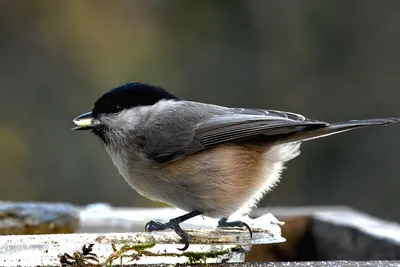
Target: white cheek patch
{"type": "Point", "coordinates": [132, 118]}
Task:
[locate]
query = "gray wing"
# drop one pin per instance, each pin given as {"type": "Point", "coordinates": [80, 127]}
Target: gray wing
{"type": "Point", "coordinates": [237, 125]}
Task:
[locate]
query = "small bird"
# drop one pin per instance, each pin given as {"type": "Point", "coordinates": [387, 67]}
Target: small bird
{"type": "Point", "coordinates": [205, 159]}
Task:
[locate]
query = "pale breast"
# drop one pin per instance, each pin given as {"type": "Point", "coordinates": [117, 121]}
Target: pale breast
{"type": "Point", "coordinates": [217, 182]}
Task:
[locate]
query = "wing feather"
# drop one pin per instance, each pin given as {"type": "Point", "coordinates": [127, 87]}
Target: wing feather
{"type": "Point", "coordinates": [237, 125]}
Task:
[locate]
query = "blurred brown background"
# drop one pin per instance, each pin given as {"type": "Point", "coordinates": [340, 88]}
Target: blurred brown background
{"type": "Point", "coordinates": [329, 60]}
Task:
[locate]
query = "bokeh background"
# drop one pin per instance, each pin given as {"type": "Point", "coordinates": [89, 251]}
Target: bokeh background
{"type": "Point", "coordinates": [329, 60]}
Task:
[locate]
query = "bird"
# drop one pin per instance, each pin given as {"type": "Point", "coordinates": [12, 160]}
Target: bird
{"type": "Point", "coordinates": [205, 159]}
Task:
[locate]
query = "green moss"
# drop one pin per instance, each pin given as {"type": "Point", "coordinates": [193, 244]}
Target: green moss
{"type": "Point", "coordinates": [125, 248]}
{"type": "Point", "coordinates": [195, 257]}
{"type": "Point", "coordinates": [140, 250]}
{"type": "Point", "coordinates": [198, 257]}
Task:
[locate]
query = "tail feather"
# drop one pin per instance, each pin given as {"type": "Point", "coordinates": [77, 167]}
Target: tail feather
{"type": "Point", "coordinates": [309, 133]}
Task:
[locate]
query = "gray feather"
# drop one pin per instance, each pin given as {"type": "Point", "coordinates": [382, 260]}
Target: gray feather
{"type": "Point", "coordinates": [198, 126]}
{"type": "Point", "coordinates": [335, 128]}
{"type": "Point", "coordinates": [223, 125]}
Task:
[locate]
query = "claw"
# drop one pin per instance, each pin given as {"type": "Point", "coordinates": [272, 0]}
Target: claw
{"type": "Point", "coordinates": [223, 222]}
{"type": "Point", "coordinates": [178, 230]}
{"type": "Point", "coordinates": [248, 228]}
{"type": "Point", "coordinates": [185, 247]}
{"type": "Point", "coordinates": [155, 226]}
{"type": "Point", "coordinates": [173, 224]}
{"type": "Point", "coordinates": [146, 227]}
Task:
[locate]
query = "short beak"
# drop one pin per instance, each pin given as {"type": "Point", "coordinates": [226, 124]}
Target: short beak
{"type": "Point", "coordinates": [85, 122]}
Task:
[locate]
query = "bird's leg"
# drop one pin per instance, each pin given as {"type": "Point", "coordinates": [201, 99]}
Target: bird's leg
{"type": "Point", "coordinates": [223, 222]}
{"type": "Point", "coordinates": [173, 224]}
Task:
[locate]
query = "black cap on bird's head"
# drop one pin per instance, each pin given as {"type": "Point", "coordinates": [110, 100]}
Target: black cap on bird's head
{"type": "Point", "coordinates": [128, 96]}
{"type": "Point", "coordinates": [120, 98]}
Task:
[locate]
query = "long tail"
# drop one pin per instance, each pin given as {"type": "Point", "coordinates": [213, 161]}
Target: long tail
{"type": "Point", "coordinates": [312, 132]}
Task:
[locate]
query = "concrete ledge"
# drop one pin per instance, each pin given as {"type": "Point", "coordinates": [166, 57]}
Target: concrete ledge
{"type": "Point", "coordinates": [315, 236]}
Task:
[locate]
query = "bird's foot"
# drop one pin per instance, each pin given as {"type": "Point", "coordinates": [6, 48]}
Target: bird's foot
{"type": "Point", "coordinates": [173, 224]}
{"type": "Point", "coordinates": [158, 226]}
{"type": "Point", "coordinates": [223, 222]}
